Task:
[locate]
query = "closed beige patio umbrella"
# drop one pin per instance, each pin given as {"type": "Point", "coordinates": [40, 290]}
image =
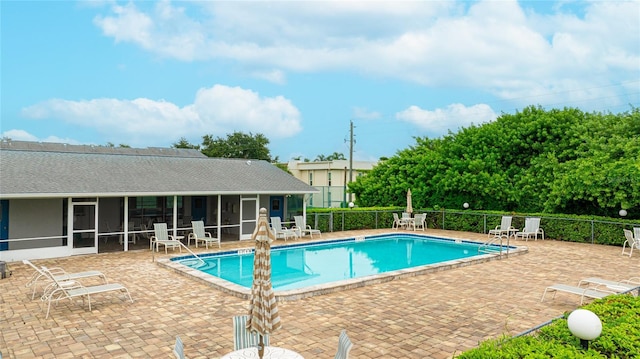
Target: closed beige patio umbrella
{"type": "Point", "coordinates": [263, 309]}
{"type": "Point", "coordinates": [409, 206]}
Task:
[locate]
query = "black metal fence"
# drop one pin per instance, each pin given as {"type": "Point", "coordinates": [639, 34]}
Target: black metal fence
{"type": "Point", "coordinates": [582, 230]}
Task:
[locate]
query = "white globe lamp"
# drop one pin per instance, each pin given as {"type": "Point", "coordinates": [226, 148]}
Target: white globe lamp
{"type": "Point", "coordinates": [623, 213]}
{"type": "Point", "coordinates": [351, 204]}
{"type": "Point", "coordinates": [465, 205]}
{"type": "Point", "coordinates": [585, 325]}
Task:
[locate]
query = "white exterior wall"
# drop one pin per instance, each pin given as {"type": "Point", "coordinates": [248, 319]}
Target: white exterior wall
{"type": "Point", "coordinates": [30, 218]}
{"type": "Point", "coordinates": [320, 178]}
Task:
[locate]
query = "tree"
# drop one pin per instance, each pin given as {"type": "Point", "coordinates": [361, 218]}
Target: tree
{"type": "Point", "coordinates": [536, 160]}
{"type": "Point", "coordinates": [237, 145]}
{"type": "Point", "coordinates": [332, 157]}
{"type": "Point", "coordinates": [183, 143]}
{"type": "Point", "coordinates": [122, 145]}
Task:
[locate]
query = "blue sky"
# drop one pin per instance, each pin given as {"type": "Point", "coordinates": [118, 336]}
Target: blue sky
{"type": "Point", "coordinates": [147, 73]}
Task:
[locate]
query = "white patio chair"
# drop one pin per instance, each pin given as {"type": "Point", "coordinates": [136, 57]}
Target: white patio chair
{"type": "Point", "coordinates": [161, 236]}
{"type": "Point", "coordinates": [243, 338]}
{"type": "Point", "coordinates": [406, 219]}
{"type": "Point", "coordinates": [281, 231]}
{"type": "Point", "coordinates": [302, 229]}
{"type": "Point", "coordinates": [178, 349]}
{"type": "Point", "coordinates": [397, 223]}
{"type": "Point", "coordinates": [631, 242]}
{"type": "Point", "coordinates": [503, 229]}
{"type": "Point", "coordinates": [419, 221]}
{"type": "Point", "coordinates": [132, 237]}
{"type": "Point", "coordinates": [344, 346]}
{"type": "Point", "coordinates": [531, 228]}
{"type": "Point", "coordinates": [201, 236]}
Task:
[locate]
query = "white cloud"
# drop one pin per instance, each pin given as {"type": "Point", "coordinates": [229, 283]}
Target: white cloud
{"type": "Point", "coordinates": [21, 135]}
{"type": "Point", "coordinates": [440, 120]}
{"type": "Point", "coordinates": [128, 24]}
{"type": "Point", "coordinates": [493, 46]}
{"type": "Point", "coordinates": [217, 110]}
{"type": "Point", "coordinates": [274, 76]}
{"type": "Point", "coordinates": [365, 114]}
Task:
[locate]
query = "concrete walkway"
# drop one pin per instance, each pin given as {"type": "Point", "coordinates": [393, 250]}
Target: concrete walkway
{"type": "Point", "coordinates": [436, 315]}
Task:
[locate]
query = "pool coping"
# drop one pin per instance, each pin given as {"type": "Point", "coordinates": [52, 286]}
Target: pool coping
{"type": "Point", "coordinates": [321, 289]}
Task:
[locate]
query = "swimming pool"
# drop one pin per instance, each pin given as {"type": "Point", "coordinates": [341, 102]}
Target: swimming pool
{"type": "Point", "coordinates": [303, 270]}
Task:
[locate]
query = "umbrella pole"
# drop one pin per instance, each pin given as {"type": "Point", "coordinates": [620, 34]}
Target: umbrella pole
{"type": "Point", "coordinates": [261, 347]}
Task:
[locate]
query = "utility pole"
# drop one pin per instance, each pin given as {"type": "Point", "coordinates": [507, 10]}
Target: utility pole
{"type": "Point", "coordinates": [351, 158]}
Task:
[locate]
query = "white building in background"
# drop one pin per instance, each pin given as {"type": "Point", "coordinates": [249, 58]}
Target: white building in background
{"type": "Point", "coordinates": [330, 178]}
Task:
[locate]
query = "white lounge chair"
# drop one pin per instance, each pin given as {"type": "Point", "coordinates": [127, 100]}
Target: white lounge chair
{"type": "Point", "coordinates": [201, 236]}
{"type": "Point", "coordinates": [161, 237]}
{"type": "Point", "coordinates": [504, 229]}
{"type": "Point", "coordinates": [344, 346]}
{"type": "Point", "coordinates": [302, 229]}
{"type": "Point", "coordinates": [59, 274]}
{"type": "Point", "coordinates": [281, 231]}
{"type": "Point", "coordinates": [621, 286]}
{"type": "Point", "coordinates": [631, 242]}
{"type": "Point", "coordinates": [70, 289]}
{"type": "Point", "coordinates": [531, 228]}
{"type": "Point", "coordinates": [595, 293]}
{"type": "Point", "coordinates": [243, 338]}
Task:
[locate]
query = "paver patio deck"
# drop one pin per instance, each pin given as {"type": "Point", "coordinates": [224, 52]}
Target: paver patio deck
{"type": "Point", "coordinates": [436, 315]}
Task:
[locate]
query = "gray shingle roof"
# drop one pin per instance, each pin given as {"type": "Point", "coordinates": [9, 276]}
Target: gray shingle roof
{"type": "Point", "coordinates": [48, 172]}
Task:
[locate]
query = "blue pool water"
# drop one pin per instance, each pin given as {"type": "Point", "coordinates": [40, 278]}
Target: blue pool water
{"type": "Point", "coordinates": [304, 265]}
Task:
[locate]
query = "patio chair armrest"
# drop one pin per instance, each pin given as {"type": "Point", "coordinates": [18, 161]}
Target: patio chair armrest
{"type": "Point", "coordinates": [207, 234]}
{"type": "Point", "coordinates": [603, 288]}
{"type": "Point", "coordinates": [57, 271]}
{"type": "Point", "coordinates": [632, 280]}
{"type": "Point", "coordinates": [192, 236]}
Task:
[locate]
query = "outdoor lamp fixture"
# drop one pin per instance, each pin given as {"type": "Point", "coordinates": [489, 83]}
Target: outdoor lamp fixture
{"type": "Point", "coordinates": [622, 213]}
{"type": "Point", "coordinates": [585, 325]}
{"type": "Point", "coordinates": [351, 205]}
{"type": "Point", "coordinates": [465, 205]}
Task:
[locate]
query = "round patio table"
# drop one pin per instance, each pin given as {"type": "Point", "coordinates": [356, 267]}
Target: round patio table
{"type": "Point", "coordinates": [269, 353]}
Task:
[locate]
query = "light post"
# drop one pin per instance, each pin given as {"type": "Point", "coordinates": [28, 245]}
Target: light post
{"type": "Point", "coordinates": [585, 325]}
{"type": "Point", "coordinates": [351, 205]}
{"type": "Point", "coordinates": [623, 213]}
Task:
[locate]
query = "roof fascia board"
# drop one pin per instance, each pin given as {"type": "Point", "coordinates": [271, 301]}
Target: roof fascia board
{"type": "Point", "coordinates": [146, 194]}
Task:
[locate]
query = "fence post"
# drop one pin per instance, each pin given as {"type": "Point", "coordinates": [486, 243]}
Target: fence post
{"type": "Point", "coordinates": [592, 232]}
{"type": "Point", "coordinates": [484, 230]}
{"type": "Point", "coordinates": [330, 221]}
{"type": "Point", "coordinates": [315, 218]}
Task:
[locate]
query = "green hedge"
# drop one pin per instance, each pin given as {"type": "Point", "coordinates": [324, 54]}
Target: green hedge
{"type": "Point", "coordinates": [620, 336]}
{"type": "Point", "coordinates": [571, 228]}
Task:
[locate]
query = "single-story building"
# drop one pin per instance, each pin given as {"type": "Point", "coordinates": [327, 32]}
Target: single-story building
{"type": "Point", "coordinates": [58, 200]}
